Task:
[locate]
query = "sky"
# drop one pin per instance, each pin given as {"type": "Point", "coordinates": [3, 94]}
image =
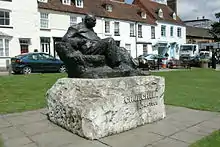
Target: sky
{"type": "Point", "coordinates": [191, 9]}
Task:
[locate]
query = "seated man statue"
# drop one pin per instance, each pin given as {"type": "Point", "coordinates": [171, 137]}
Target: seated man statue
{"type": "Point", "coordinates": [87, 56]}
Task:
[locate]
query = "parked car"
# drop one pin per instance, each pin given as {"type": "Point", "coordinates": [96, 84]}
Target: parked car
{"type": "Point", "coordinates": [154, 57]}
{"type": "Point", "coordinates": [151, 61]}
{"type": "Point", "coordinates": [36, 62]}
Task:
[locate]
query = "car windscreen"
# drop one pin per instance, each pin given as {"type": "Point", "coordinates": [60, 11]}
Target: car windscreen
{"type": "Point", "coordinates": [186, 48]}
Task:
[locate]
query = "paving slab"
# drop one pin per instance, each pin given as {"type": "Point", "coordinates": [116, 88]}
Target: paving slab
{"type": "Point", "coordinates": [11, 133]}
{"type": "Point", "coordinates": [17, 142]}
{"type": "Point", "coordinates": [61, 138]}
{"type": "Point", "coordinates": [181, 127]}
{"type": "Point", "coordinates": [192, 117]}
{"type": "Point", "coordinates": [29, 145]}
{"type": "Point", "coordinates": [186, 137]}
{"type": "Point", "coordinates": [200, 130]}
{"type": "Point", "coordinates": [38, 127]}
{"type": "Point", "coordinates": [168, 142]}
{"type": "Point", "coordinates": [86, 144]}
{"type": "Point", "coordinates": [132, 138]}
{"type": "Point", "coordinates": [4, 123]}
{"type": "Point", "coordinates": [25, 118]}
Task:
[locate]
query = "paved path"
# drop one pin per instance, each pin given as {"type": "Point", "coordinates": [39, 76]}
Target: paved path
{"type": "Point", "coordinates": [181, 127]}
{"type": "Point", "coordinates": [3, 73]}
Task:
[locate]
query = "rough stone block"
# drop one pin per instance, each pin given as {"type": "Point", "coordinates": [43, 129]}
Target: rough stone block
{"type": "Point", "coordinates": [95, 108]}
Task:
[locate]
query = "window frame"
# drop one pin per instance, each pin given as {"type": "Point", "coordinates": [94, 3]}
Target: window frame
{"type": "Point", "coordinates": [179, 33]}
{"type": "Point", "coordinates": [171, 31]}
{"type": "Point", "coordinates": [126, 45]}
{"type": "Point", "coordinates": [163, 31]}
{"type": "Point", "coordinates": [3, 47]}
{"type": "Point", "coordinates": [140, 31]}
{"type": "Point", "coordinates": [47, 20]}
{"type": "Point", "coordinates": [4, 18]}
{"type": "Point", "coordinates": [79, 3]}
{"type": "Point", "coordinates": [153, 34]}
{"type": "Point", "coordinates": [71, 20]}
{"type": "Point", "coordinates": [132, 30]}
{"type": "Point", "coordinates": [117, 28]}
{"type": "Point", "coordinates": [66, 2]}
{"type": "Point", "coordinates": [107, 27]}
{"type": "Point", "coordinates": [145, 49]}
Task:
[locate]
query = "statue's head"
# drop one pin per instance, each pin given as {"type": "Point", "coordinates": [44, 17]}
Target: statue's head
{"type": "Point", "coordinates": [90, 21]}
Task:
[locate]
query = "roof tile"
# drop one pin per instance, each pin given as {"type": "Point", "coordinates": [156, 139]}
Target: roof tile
{"type": "Point", "coordinates": [120, 11]}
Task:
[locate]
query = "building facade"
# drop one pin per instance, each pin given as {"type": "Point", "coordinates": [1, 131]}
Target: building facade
{"type": "Point", "coordinates": [43, 23]}
{"type": "Point", "coordinates": [200, 23]}
{"type": "Point", "coordinates": [170, 30]}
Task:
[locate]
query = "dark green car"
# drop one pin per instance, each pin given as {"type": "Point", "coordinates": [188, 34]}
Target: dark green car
{"type": "Point", "coordinates": [36, 62]}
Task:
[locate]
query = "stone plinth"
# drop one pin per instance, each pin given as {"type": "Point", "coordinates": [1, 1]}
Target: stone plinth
{"type": "Point", "coordinates": [95, 108]}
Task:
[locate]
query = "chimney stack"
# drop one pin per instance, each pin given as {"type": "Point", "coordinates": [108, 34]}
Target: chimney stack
{"type": "Point", "coordinates": [173, 5]}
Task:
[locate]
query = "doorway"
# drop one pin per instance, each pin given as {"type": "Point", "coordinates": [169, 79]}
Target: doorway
{"type": "Point", "coordinates": [55, 41]}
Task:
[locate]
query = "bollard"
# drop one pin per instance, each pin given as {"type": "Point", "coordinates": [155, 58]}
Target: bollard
{"type": "Point", "coordinates": [8, 67]}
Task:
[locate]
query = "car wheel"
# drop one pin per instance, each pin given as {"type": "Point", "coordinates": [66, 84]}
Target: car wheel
{"type": "Point", "coordinates": [62, 69]}
{"type": "Point", "coordinates": [26, 70]}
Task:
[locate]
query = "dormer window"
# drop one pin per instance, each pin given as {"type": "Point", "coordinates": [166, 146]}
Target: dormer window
{"type": "Point", "coordinates": [160, 13]}
{"type": "Point", "coordinates": [108, 8]}
{"type": "Point", "coordinates": [174, 16]}
{"type": "Point", "coordinates": [66, 2]}
{"type": "Point", "coordinates": [143, 15]}
{"type": "Point", "coordinates": [79, 3]}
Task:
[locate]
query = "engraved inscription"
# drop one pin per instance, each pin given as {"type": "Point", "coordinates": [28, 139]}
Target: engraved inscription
{"type": "Point", "coordinates": [139, 97]}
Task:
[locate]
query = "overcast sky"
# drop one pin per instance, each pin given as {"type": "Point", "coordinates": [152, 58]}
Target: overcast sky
{"type": "Point", "coordinates": [191, 9]}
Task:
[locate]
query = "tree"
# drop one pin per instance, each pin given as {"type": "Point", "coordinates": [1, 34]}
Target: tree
{"type": "Point", "coordinates": [215, 30]}
{"type": "Point", "coordinates": [217, 15]}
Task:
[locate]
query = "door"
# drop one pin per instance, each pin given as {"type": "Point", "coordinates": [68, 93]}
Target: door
{"type": "Point", "coordinates": [55, 41]}
{"type": "Point", "coordinates": [45, 47]}
{"type": "Point", "coordinates": [172, 50]}
{"type": "Point", "coordinates": [34, 62]}
{"type": "Point", "coordinates": [45, 44]}
{"type": "Point", "coordinates": [24, 48]}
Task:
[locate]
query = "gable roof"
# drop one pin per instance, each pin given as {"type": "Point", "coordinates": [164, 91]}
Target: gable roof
{"type": "Point", "coordinates": [153, 7]}
{"type": "Point", "coordinates": [120, 11]}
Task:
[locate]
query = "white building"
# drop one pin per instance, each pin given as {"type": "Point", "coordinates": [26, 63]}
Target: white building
{"type": "Point", "coordinates": [19, 25]}
{"type": "Point", "coordinates": [131, 31]}
{"type": "Point", "coordinates": [40, 24]}
{"type": "Point", "coordinates": [170, 30]}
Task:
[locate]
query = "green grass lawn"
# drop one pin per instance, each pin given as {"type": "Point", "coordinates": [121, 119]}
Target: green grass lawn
{"type": "Point", "coordinates": [197, 89]}
{"type": "Point", "coordinates": [210, 141]}
{"type": "Point", "coordinates": [20, 92]}
{"type": "Point", "coordinates": [1, 142]}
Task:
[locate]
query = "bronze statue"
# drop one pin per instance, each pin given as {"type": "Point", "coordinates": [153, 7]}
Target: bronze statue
{"type": "Point", "coordinates": [87, 56]}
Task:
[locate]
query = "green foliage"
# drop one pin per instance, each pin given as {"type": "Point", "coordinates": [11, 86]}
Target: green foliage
{"type": "Point", "coordinates": [204, 60]}
{"type": "Point", "coordinates": [25, 92]}
{"type": "Point", "coordinates": [196, 89]}
{"type": "Point", "coordinates": [215, 30]}
{"type": "Point", "coordinates": [210, 141]}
